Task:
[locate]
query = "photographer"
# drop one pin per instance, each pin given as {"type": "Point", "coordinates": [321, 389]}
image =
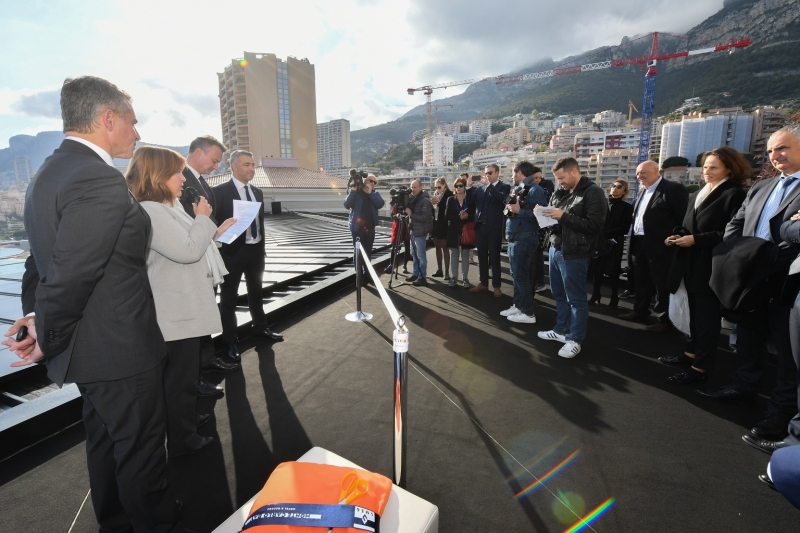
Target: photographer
{"type": "Point", "coordinates": [363, 203]}
{"type": "Point", "coordinates": [420, 212]}
{"type": "Point", "coordinates": [522, 234]}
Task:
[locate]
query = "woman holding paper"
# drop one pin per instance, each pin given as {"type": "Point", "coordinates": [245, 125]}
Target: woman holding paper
{"type": "Point", "coordinates": [183, 266]}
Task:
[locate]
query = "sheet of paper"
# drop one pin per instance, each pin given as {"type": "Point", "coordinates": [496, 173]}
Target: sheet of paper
{"type": "Point", "coordinates": [543, 220]}
{"type": "Point", "coordinates": [244, 213]}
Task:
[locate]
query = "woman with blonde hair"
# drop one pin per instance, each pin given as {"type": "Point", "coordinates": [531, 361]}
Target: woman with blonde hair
{"type": "Point", "coordinates": [439, 203]}
{"type": "Point", "coordinates": [617, 225]}
{"type": "Point", "coordinates": [184, 267]}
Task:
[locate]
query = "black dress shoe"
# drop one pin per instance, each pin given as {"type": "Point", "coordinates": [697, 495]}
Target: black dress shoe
{"type": "Point", "coordinates": [627, 294]}
{"type": "Point", "coordinates": [688, 377]}
{"type": "Point", "coordinates": [677, 360]}
{"type": "Point", "coordinates": [771, 428]}
{"type": "Point", "coordinates": [613, 303]}
{"type": "Point", "coordinates": [632, 316]}
{"type": "Point", "coordinates": [766, 446]}
{"type": "Point", "coordinates": [201, 419]}
{"type": "Point", "coordinates": [659, 327]}
{"type": "Point", "coordinates": [764, 478]}
{"type": "Point", "coordinates": [201, 443]}
{"type": "Point", "coordinates": [205, 388]}
{"type": "Point", "coordinates": [411, 279]}
{"type": "Point", "coordinates": [232, 352]}
{"type": "Point", "coordinates": [437, 274]}
{"type": "Point", "coordinates": [266, 333]}
{"type": "Point", "coordinates": [727, 393]}
{"type": "Point", "coordinates": [218, 365]}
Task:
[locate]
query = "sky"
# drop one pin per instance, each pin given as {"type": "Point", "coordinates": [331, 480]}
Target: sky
{"type": "Point", "coordinates": [366, 53]}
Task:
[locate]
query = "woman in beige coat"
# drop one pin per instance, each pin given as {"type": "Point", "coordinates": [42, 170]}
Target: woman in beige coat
{"type": "Point", "coordinates": [183, 266]}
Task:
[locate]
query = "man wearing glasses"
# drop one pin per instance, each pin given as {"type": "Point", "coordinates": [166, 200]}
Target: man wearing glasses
{"type": "Point", "coordinates": [363, 204]}
{"type": "Point", "coordinates": [489, 228]}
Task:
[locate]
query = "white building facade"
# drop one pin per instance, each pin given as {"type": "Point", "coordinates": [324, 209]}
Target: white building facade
{"type": "Point", "coordinates": [333, 144]}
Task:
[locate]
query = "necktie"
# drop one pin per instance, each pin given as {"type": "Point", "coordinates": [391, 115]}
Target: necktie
{"type": "Point", "coordinates": [253, 226]}
{"type": "Point", "coordinates": [773, 203]}
{"type": "Point", "coordinates": [205, 187]}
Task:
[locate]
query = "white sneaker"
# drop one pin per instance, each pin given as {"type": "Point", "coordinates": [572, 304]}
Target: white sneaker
{"type": "Point", "coordinates": [523, 318]}
{"type": "Point", "coordinates": [510, 311]}
{"type": "Point", "coordinates": [551, 336]}
{"type": "Point", "coordinates": [569, 350]}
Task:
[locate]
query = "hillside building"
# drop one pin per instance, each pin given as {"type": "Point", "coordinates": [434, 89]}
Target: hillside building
{"type": "Point", "coordinates": [512, 136]}
{"type": "Point", "coordinates": [437, 150]}
{"type": "Point", "coordinates": [481, 127]}
{"type": "Point", "coordinates": [693, 136]}
{"type": "Point", "coordinates": [609, 120]}
{"type": "Point", "coordinates": [22, 168]}
{"type": "Point", "coordinates": [766, 121]}
{"type": "Point", "coordinates": [268, 107]}
{"type": "Point", "coordinates": [565, 136]}
{"type": "Point", "coordinates": [333, 144]}
{"type": "Point", "coordinates": [465, 138]}
{"type": "Point", "coordinates": [450, 128]}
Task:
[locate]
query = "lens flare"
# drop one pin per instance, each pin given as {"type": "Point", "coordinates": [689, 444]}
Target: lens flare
{"type": "Point", "coordinates": [584, 522]}
{"type": "Point", "coordinates": [567, 506]}
{"type": "Point", "coordinates": [530, 489]}
{"type": "Point", "coordinates": [544, 454]}
{"type": "Point", "coordinates": [243, 63]}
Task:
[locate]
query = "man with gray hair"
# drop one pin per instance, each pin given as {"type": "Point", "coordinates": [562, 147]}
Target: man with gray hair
{"type": "Point", "coordinates": [244, 256]}
{"type": "Point", "coordinates": [94, 320]}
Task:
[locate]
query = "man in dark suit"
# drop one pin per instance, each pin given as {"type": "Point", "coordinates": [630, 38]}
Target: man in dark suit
{"type": "Point", "coordinates": [205, 153]}
{"type": "Point", "coordinates": [489, 223]}
{"type": "Point", "coordinates": [95, 321]}
{"type": "Point", "coordinates": [766, 213]}
{"type": "Point", "coordinates": [537, 265]}
{"type": "Point", "coordinates": [659, 209]}
{"type": "Point", "coordinates": [245, 255]}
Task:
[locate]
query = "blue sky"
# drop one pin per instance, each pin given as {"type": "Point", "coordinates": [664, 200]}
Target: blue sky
{"type": "Point", "coordinates": [166, 53]}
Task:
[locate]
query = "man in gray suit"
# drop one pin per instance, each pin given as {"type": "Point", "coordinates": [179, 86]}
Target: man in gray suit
{"type": "Point", "coordinates": [95, 322]}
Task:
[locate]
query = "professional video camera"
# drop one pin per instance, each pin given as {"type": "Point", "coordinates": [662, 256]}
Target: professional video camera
{"type": "Point", "coordinates": [512, 199]}
{"type": "Point", "coordinates": [357, 178]}
{"type": "Point", "coordinates": [400, 197]}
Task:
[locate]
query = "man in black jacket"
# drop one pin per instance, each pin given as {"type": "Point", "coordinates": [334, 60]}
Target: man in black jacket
{"type": "Point", "coordinates": [95, 321]}
{"type": "Point", "coordinates": [659, 209]}
{"type": "Point", "coordinates": [580, 208]}
{"type": "Point", "coordinates": [244, 256]}
{"type": "Point", "coordinates": [537, 265]}
{"type": "Point", "coordinates": [205, 153]}
{"type": "Point", "coordinates": [489, 228]}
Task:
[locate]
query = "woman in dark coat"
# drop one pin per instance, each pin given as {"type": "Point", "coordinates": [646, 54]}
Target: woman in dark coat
{"type": "Point", "coordinates": [460, 209]}
{"type": "Point", "coordinates": [618, 223]}
{"type": "Point", "coordinates": [710, 210]}
{"type": "Point", "coordinates": [439, 203]}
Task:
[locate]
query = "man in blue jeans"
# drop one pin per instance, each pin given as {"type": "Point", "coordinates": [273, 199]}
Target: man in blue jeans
{"type": "Point", "coordinates": [420, 213]}
{"type": "Point", "coordinates": [580, 207]}
{"type": "Point", "coordinates": [522, 234]}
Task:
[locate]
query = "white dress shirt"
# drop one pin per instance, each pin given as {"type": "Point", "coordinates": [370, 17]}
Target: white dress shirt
{"type": "Point", "coordinates": [99, 151]}
{"type": "Point", "coordinates": [249, 238]}
{"type": "Point", "coordinates": [638, 224]}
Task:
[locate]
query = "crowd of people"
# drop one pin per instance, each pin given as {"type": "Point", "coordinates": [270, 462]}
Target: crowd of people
{"type": "Point", "coordinates": [120, 294]}
{"type": "Point", "coordinates": [722, 252]}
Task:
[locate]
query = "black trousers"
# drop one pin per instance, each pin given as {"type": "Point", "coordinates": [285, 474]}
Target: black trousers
{"type": "Point", "coordinates": [250, 263]}
{"type": "Point", "coordinates": [180, 394]}
{"type": "Point", "coordinates": [651, 279]}
{"type": "Point", "coordinates": [751, 345]}
{"type": "Point", "coordinates": [488, 243]}
{"type": "Point", "coordinates": [794, 336]}
{"type": "Point", "coordinates": [705, 323]}
{"type": "Point", "coordinates": [125, 424]}
{"type": "Point", "coordinates": [367, 237]}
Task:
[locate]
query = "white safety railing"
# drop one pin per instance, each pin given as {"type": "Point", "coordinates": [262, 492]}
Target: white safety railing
{"type": "Point", "coordinates": [400, 349]}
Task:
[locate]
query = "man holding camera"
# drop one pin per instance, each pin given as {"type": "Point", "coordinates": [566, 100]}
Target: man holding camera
{"type": "Point", "coordinates": [522, 234]}
{"type": "Point", "coordinates": [580, 207]}
{"type": "Point", "coordinates": [420, 213]}
{"type": "Point", "coordinates": [363, 202]}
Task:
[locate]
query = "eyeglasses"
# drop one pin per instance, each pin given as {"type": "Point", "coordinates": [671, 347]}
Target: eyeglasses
{"type": "Point", "coordinates": [372, 181]}
{"type": "Point", "coordinates": [489, 173]}
{"type": "Point", "coordinates": [459, 185]}
{"type": "Point", "coordinates": [617, 186]}
{"type": "Point", "coordinates": [439, 187]}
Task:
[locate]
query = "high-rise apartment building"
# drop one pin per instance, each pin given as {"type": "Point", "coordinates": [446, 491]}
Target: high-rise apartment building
{"type": "Point", "coordinates": [269, 108]}
{"type": "Point", "coordinates": [333, 144]}
{"type": "Point", "coordinates": [22, 168]}
{"type": "Point", "coordinates": [437, 150]}
{"type": "Point", "coordinates": [766, 121]}
{"type": "Point", "coordinates": [693, 136]}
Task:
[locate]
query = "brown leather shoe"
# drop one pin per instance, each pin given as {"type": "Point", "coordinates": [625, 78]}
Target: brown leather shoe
{"type": "Point", "coordinates": [498, 293]}
{"type": "Point", "coordinates": [632, 316]}
{"type": "Point", "coordinates": [659, 327]}
{"type": "Point", "coordinates": [479, 288]}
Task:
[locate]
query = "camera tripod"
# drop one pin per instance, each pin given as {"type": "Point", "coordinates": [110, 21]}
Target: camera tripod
{"type": "Point", "coordinates": [401, 233]}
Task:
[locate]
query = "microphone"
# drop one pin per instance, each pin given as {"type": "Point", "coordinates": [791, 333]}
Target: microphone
{"type": "Point", "coordinates": [192, 195]}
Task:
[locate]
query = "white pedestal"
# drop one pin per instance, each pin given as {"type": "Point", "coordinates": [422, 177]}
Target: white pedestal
{"type": "Point", "coordinates": [404, 512]}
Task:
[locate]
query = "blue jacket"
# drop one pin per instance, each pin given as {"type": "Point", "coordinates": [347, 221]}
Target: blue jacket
{"type": "Point", "coordinates": [525, 224]}
{"type": "Point", "coordinates": [353, 202]}
{"type": "Point", "coordinates": [489, 204]}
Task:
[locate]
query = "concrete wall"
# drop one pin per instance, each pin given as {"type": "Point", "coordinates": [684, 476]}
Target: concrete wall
{"type": "Point", "coordinates": [303, 112]}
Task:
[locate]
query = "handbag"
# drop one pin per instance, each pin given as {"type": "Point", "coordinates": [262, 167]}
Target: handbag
{"type": "Point", "coordinates": [468, 233]}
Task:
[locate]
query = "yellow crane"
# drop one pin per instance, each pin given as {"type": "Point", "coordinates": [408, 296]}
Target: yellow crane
{"type": "Point", "coordinates": [631, 109]}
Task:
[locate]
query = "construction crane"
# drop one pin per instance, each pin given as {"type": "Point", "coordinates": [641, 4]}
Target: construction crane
{"type": "Point", "coordinates": [650, 61]}
{"type": "Point", "coordinates": [631, 109]}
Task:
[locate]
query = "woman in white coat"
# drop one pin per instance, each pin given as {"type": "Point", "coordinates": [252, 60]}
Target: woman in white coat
{"type": "Point", "coordinates": [183, 266]}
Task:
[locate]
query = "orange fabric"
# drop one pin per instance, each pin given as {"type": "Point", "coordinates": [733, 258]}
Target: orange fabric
{"type": "Point", "coordinates": [293, 482]}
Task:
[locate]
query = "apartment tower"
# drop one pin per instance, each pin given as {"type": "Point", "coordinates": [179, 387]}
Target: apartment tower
{"type": "Point", "coordinates": [268, 107]}
{"type": "Point", "coordinates": [333, 144]}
